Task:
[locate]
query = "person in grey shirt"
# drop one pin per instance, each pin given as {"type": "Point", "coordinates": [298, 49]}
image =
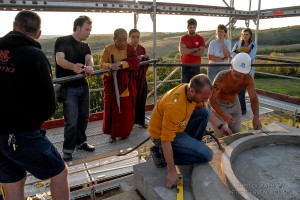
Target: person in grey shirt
{"type": "Point", "coordinates": [218, 52]}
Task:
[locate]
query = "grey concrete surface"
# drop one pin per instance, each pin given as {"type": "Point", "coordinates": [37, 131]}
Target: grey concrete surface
{"type": "Point", "coordinates": [150, 182]}
{"type": "Point", "coordinates": [264, 166]}
{"type": "Point", "coordinates": [270, 172]}
{"type": "Point", "coordinates": [207, 185]}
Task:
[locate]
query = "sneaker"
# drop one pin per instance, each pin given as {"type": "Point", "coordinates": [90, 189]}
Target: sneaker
{"type": "Point", "coordinates": [67, 157]}
{"type": "Point", "coordinates": [157, 157]}
{"type": "Point", "coordinates": [87, 147]}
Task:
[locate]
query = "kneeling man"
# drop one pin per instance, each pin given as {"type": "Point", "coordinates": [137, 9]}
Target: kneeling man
{"type": "Point", "coordinates": [178, 123]}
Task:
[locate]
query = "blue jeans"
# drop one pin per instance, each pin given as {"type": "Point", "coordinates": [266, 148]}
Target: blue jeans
{"type": "Point", "coordinates": [187, 146]}
{"type": "Point", "coordinates": [76, 114]}
{"type": "Point", "coordinates": [188, 72]}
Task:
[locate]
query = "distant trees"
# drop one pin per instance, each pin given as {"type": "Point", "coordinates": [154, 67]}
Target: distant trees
{"type": "Point", "coordinates": [273, 39]}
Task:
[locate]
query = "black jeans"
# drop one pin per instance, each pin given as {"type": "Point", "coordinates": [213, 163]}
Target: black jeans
{"type": "Point", "coordinates": [189, 72]}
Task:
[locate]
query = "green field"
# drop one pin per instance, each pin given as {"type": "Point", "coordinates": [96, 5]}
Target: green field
{"type": "Point", "coordinates": [284, 86]}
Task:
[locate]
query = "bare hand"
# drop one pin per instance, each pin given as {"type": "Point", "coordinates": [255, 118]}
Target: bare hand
{"type": "Point", "coordinates": [226, 130]}
{"type": "Point", "coordinates": [172, 179]}
{"type": "Point", "coordinates": [146, 57]}
{"type": "Point", "coordinates": [115, 66]}
{"type": "Point", "coordinates": [256, 123]}
{"type": "Point", "coordinates": [140, 57]}
{"type": "Point", "coordinates": [77, 68]}
{"type": "Point", "coordinates": [89, 70]}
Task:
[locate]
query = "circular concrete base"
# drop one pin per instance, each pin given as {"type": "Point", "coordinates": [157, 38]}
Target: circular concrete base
{"type": "Point", "coordinates": [264, 166]}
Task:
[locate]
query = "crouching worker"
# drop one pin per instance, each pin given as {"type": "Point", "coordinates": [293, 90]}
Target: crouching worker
{"type": "Point", "coordinates": [227, 85]}
{"type": "Point", "coordinates": [177, 126]}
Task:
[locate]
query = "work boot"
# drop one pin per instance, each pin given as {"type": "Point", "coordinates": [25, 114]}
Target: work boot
{"type": "Point", "coordinates": [157, 157]}
{"type": "Point", "coordinates": [67, 157]}
{"type": "Point", "coordinates": [87, 147]}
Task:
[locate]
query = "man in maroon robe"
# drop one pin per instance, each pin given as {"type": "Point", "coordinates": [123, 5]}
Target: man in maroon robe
{"type": "Point", "coordinates": [119, 123]}
{"type": "Point", "coordinates": [141, 81]}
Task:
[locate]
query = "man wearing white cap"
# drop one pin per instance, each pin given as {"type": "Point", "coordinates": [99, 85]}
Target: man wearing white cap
{"type": "Point", "coordinates": [224, 99]}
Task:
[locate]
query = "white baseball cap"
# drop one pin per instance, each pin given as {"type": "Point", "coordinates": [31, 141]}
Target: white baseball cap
{"type": "Point", "coordinates": [241, 63]}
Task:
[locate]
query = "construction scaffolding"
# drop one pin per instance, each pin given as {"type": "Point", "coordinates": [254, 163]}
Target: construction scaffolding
{"type": "Point", "coordinates": [87, 162]}
{"type": "Point", "coordinates": [153, 8]}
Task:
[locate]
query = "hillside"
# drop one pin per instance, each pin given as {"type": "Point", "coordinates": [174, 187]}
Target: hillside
{"type": "Point", "coordinates": [285, 40]}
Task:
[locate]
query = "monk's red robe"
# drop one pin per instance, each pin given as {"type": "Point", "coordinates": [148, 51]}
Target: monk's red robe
{"type": "Point", "coordinates": [142, 89]}
{"type": "Point", "coordinates": [114, 123]}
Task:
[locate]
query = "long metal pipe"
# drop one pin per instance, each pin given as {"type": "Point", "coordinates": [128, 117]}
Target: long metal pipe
{"type": "Point", "coordinates": [230, 29]}
{"type": "Point", "coordinates": [154, 49]}
{"type": "Point", "coordinates": [257, 22]}
{"type": "Point", "coordinates": [167, 78]}
{"type": "Point", "coordinates": [228, 64]}
{"type": "Point", "coordinates": [97, 72]}
{"type": "Point", "coordinates": [278, 75]}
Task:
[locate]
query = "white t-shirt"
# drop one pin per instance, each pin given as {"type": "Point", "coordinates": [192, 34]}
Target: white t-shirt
{"type": "Point", "coordinates": [215, 49]}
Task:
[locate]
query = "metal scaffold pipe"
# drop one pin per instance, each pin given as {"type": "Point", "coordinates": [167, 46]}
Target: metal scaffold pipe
{"type": "Point", "coordinates": [97, 72]}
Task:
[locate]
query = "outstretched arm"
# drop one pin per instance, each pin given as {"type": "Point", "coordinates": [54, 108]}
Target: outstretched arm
{"type": "Point", "coordinates": [172, 177]}
{"type": "Point", "coordinates": [61, 61]}
{"type": "Point", "coordinates": [254, 104]}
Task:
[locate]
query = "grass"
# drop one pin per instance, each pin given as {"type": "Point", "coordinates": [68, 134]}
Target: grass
{"type": "Point", "coordinates": [284, 86]}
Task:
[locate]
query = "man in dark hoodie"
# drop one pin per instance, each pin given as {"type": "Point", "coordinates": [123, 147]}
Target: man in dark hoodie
{"type": "Point", "coordinates": [27, 100]}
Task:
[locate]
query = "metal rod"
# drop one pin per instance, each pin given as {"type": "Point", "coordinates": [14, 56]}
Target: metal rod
{"type": "Point", "coordinates": [228, 64]}
{"type": "Point", "coordinates": [231, 25]}
{"type": "Point", "coordinates": [261, 57]}
{"type": "Point", "coordinates": [295, 118]}
{"type": "Point", "coordinates": [167, 78]}
{"type": "Point", "coordinates": [154, 28]}
{"type": "Point", "coordinates": [277, 75]}
{"type": "Point", "coordinates": [166, 81]}
{"type": "Point", "coordinates": [135, 19]}
{"type": "Point", "coordinates": [154, 49]}
{"type": "Point", "coordinates": [226, 3]}
{"type": "Point", "coordinates": [154, 79]}
{"type": "Point", "coordinates": [97, 72]}
{"type": "Point", "coordinates": [257, 22]}
{"type": "Point", "coordinates": [78, 76]}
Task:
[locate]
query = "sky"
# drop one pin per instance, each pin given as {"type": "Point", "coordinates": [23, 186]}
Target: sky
{"type": "Point", "coordinates": [60, 23]}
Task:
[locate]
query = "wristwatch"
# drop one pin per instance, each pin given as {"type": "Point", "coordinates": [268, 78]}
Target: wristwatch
{"type": "Point", "coordinates": [220, 126]}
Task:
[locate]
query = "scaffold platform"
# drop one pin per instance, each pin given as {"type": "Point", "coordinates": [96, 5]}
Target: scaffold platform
{"type": "Point", "coordinates": [101, 170]}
